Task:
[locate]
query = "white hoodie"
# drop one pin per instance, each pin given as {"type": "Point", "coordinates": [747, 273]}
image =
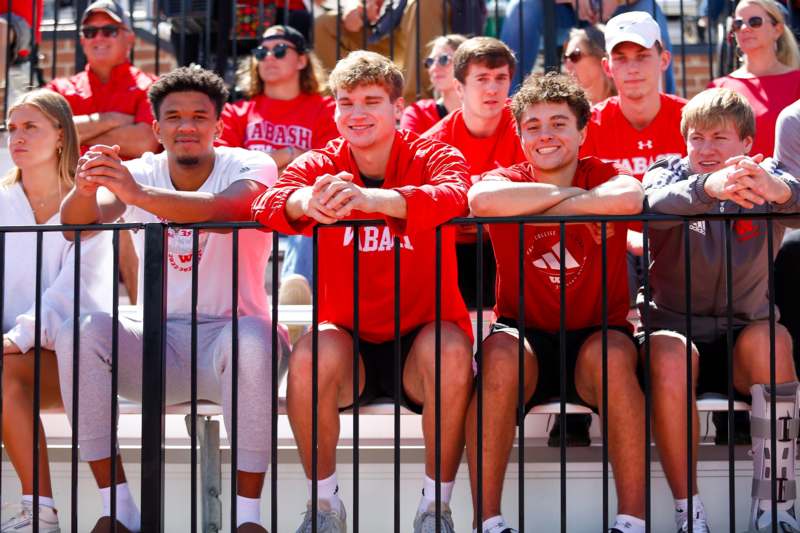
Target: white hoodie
{"type": "Point", "coordinates": [58, 274]}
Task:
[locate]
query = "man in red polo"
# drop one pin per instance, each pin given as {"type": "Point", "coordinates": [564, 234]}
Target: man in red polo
{"type": "Point", "coordinates": [109, 98]}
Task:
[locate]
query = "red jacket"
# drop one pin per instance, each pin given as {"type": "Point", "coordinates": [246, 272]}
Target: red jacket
{"type": "Point", "coordinates": [433, 179]}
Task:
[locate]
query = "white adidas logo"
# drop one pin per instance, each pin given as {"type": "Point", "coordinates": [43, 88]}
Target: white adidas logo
{"type": "Point", "coordinates": [550, 260]}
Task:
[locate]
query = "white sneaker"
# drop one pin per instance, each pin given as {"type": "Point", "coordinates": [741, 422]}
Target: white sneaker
{"type": "Point", "coordinates": [328, 520]}
{"type": "Point", "coordinates": [22, 521]}
{"type": "Point", "coordinates": [699, 525]}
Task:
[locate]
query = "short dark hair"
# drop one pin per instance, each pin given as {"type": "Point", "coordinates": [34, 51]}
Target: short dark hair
{"type": "Point", "coordinates": [185, 79]}
{"type": "Point", "coordinates": [487, 51]}
{"type": "Point", "coordinates": [552, 88]}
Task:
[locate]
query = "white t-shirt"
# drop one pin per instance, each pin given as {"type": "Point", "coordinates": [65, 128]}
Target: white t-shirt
{"type": "Point", "coordinates": [58, 274]}
{"type": "Point", "coordinates": [214, 278]}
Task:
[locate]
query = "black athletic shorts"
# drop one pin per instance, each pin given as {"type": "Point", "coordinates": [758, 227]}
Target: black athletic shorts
{"type": "Point", "coordinates": [378, 361]}
{"type": "Point", "coordinates": [546, 349]}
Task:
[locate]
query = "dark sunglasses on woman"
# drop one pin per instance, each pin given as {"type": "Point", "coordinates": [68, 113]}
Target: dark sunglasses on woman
{"type": "Point", "coordinates": [279, 51]}
{"type": "Point", "coordinates": [442, 60]}
{"type": "Point", "coordinates": [574, 56]}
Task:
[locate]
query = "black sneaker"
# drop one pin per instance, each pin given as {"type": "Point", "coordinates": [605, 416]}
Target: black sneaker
{"type": "Point", "coordinates": [577, 431]}
{"type": "Point", "coordinates": [741, 428]}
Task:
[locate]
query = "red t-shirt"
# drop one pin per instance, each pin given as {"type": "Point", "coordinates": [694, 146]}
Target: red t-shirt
{"type": "Point", "coordinates": [433, 179]}
{"type": "Point", "coordinates": [768, 95]}
{"type": "Point", "coordinates": [125, 92]}
{"type": "Point", "coordinates": [266, 124]}
{"type": "Point", "coordinates": [612, 138]}
{"type": "Point", "coordinates": [483, 154]}
{"type": "Point", "coordinates": [583, 262]}
{"type": "Point", "coordinates": [420, 116]}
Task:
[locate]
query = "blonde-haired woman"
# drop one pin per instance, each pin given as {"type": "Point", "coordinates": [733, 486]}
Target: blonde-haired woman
{"type": "Point", "coordinates": [583, 58]}
{"type": "Point", "coordinates": [769, 77]}
{"type": "Point", "coordinates": [423, 114]}
{"type": "Point", "coordinates": [43, 144]}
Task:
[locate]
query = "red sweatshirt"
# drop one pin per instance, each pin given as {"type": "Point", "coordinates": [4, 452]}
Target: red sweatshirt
{"type": "Point", "coordinates": [433, 179]}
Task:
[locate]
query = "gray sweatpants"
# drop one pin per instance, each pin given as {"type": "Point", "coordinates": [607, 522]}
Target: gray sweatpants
{"type": "Point", "coordinates": [214, 360]}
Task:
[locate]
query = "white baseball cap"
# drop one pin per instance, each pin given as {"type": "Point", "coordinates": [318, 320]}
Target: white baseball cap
{"type": "Point", "coordinates": [635, 27]}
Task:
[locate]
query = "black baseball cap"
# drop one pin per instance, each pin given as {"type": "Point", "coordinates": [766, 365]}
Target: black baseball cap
{"type": "Point", "coordinates": [288, 34]}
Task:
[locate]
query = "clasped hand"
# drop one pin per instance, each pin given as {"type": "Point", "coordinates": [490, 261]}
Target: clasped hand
{"type": "Point", "coordinates": [746, 183]}
{"type": "Point", "coordinates": [334, 196]}
{"type": "Point", "coordinates": [102, 166]}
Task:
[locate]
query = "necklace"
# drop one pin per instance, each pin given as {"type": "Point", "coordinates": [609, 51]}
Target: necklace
{"type": "Point", "coordinates": [38, 204]}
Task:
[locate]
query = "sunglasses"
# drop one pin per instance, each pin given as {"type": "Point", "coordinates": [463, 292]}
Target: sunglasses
{"type": "Point", "coordinates": [752, 22]}
{"type": "Point", "coordinates": [90, 32]}
{"type": "Point", "coordinates": [279, 51]}
{"type": "Point", "coordinates": [574, 56]}
{"type": "Point", "coordinates": [442, 60]}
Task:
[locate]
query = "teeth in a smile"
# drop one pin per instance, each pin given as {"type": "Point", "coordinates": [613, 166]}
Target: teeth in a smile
{"type": "Point", "coordinates": [547, 150]}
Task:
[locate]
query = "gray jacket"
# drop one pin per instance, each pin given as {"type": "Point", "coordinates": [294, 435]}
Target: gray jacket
{"type": "Point", "coordinates": [670, 188]}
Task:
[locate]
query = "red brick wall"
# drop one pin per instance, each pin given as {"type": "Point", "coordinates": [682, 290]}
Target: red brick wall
{"type": "Point", "coordinates": [697, 73]}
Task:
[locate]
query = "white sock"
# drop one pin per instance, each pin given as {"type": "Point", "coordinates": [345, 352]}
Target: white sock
{"type": "Point", "coordinates": [683, 504]}
{"type": "Point", "coordinates": [328, 490]}
{"type": "Point", "coordinates": [495, 524]}
{"type": "Point", "coordinates": [127, 512]}
{"type": "Point", "coordinates": [43, 500]}
{"type": "Point", "coordinates": [429, 493]}
{"type": "Point", "coordinates": [247, 510]}
{"type": "Point", "coordinates": [629, 524]}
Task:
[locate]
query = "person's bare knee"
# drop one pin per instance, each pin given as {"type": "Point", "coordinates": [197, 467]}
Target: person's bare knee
{"type": "Point", "coordinates": [751, 356]}
{"type": "Point", "coordinates": [668, 362]}
{"type": "Point", "coordinates": [620, 369]}
{"type": "Point", "coordinates": [500, 366]}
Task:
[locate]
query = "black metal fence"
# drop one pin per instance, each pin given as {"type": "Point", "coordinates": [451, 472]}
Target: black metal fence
{"type": "Point", "coordinates": [153, 391]}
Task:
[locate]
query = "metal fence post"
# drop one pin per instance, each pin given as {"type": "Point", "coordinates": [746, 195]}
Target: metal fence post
{"type": "Point", "coordinates": [153, 378]}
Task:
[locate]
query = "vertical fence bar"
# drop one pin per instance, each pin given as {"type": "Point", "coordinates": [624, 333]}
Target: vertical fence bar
{"type": "Point", "coordinates": [37, 379]}
{"type": "Point", "coordinates": [79, 7]}
{"type": "Point", "coordinates": [54, 59]}
{"type": "Point", "coordinates": [76, 315]}
{"type": "Point", "coordinates": [521, 374]}
{"type": "Point", "coordinates": [710, 37]}
{"type": "Point", "coordinates": [648, 407]}
{"type": "Point", "coordinates": [153, 378]}
{"type": "Point", "coordinates": [133, 30]}
{"type": "Point", "coordinates": [235, 33]}
{"type": "Point", "coordinates": [773, 419]}
{"type": "Point", "coordinates": [157, 37]}
{"type": "Point", "coordinates": [438, 362]}
{"type": "Point", "coordinates": [9, 58]}
{"type": "Point", "coordinates": [687, 266]}
{"type": "Point", "coordinates": [234, 438]}
{"type": "Point", "coordinates": [550, 53]}
{"type": "Point", "coordinates": [182, 37]}
{"type": "Point", "coordinates": [562, 357]}
{"type": "Point", "coordinates": [364, 27]}
{"type": "Point", "coordinates": [418, 70]}
{"type": "Point", "coordinates": [114, 374]}
{"type": "Point", "coordinates": [207, 35]}
{"type": "Point", "coordinates": [315, 376]}
{"type": "Point", "coordinates": [398, 383]}
{"type": "Point", "coordinates": [356, 381]}
{"type": "Point", "coordinates": [479, 377]}
{"type": "Point", "coordinates": [193, 382]}
{"type": "Point", "coordinates": [276, 352]}
{"type": "Point", "coordinates": [683, 65]}
{"type": "Point", "coordinates": [390, 11]}
{"type": "Point", "coordinates": [604, 377]}
{"type": "Point", "coordinates": [33, 58]}
{"type": "Point", "coordinates": [729, 343]}
{"type": "Point", "coordinates": [521, 62]}
{"type": "Point", "coordinates": [338, 29]}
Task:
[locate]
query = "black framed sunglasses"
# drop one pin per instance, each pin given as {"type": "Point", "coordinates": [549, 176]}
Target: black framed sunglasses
{"type": "Point", "coordinates": [442, 60]}
{"type": "Point", "coordinates": [574, 56]}
{"type": "Point", "coordinates": [279, 51]}
{"type": "Point", "coordinates": [110, 30]}
{"type": "Point", "coordinates": [752, 22]}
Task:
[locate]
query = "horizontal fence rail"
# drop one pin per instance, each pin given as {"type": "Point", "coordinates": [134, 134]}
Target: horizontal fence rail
{"type": "Point", "coordinates": [154, 361]}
